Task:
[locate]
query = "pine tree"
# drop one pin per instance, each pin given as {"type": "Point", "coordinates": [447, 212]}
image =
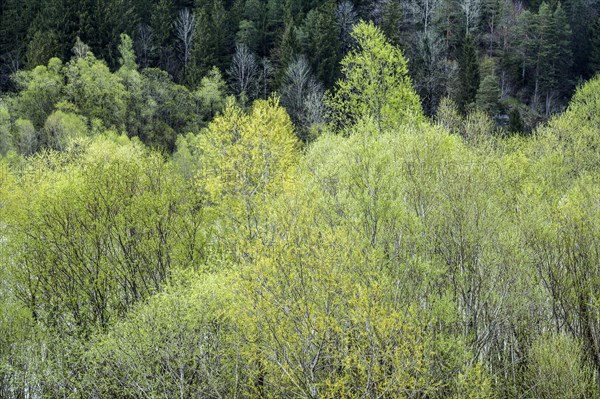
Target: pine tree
{"type": "Point", "coordinates": [594, 60]}
{"type": "Point", "coordinates": [581, 21]}
{"type": "Point", "coordinates": [515, 122]}
{"type": "Point", "coordinates": [323, 49]}
{"type": "Point", "coordinates": [15, 18]}
{"type": "Point", "coordinates": [101, 24]}
{"type": "Point", "coordinates": [161, 23]}
{"type": "Point", "coordinates": [215, 33]}
{"type": "Point", "coordinates": [391, 23]}
{"type": "Point", "coordinates": [488, 94]}
{"type": "Point", "coordinates": [468, 73]}
{"type": "Point", "coordinates": [288, 47]}
{"type": "Point", "coordinates": [553, 55]}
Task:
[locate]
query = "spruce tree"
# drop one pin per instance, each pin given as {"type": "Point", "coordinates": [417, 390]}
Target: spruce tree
{"type": "Point", "coordinates": [488, 94]}
{"type": "Point", "coordinates": [391, 23]}
{"type": "Point", "coordinates": [594, 60]}
{"type": "Point", "coordinates": [553, 55]}
{"type": "Point", "coordinates": [161, 22]}
{"type": "Point", "coordinates": [323, 49]}
{"type": "Point", "coordinates": [468, 73]}
{"type": "Point", "coordinates": [215, 36]}
{"type": "Point", "coordinates": [515, 122]}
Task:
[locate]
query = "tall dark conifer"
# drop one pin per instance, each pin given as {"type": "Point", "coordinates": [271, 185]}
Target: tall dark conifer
{"type": "Point", "coordinates": [324, 47]}
{"type": "Point", "coordinates": [468, 73]}
{"type": "Point", "coordinates": [594, 57]}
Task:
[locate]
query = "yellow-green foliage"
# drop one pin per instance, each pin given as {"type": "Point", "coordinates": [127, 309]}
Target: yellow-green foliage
{"type": "Point", "coordinates": [400, 260]}
{"type": "Point", "coordinates": [375, 83]}
{"type": "Point", "coordinates": [94, 229]}
{"type": "Point", "coordinates": [174, 345]}
{"type": "Point", "coordinates": [238, 163]}
{"type": "Point", "coordinates": [555, 369]}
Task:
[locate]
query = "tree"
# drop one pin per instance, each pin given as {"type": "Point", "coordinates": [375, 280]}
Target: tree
{"type": "Point", "coordinates": [103, 222]}
{"type": "Point", "coordinates": [287, 48]}
{"type": "Point", "coordinates": [144, 45]}
{"type": "Point", "coordinates": [595, 47]}
{"type": "Point", "coordinates": [242, 159]}
{"type": "Point", "coordinates": [127, 57]}
{"type": "Point", "coordinates": [211, 95]}
{"type": "Point", "coordinates": [488, 94]}
{"type": "Point", "coordinates": [375, 83]}
{"type": "Point", "coordinates": [161, 349]}
{"type": "Point", "coordinates": [26, 137]}
{"type": "Point", "coordinates": [61, 128]}
{"type": "Point", "coordinates": [471, 10]}
{"type": "Point", "coordinates": [14, 21]}
{"type": "Point", "coordinates": [161, 23]}
{"type": "Point", "coordinates": [185, 25]}
{"type": "Point", "coordinates": [40, 89]}
{"type": "Point", "coordinates": [556, 370]}
{"type": "Point", "coordinates": [42, 47]}
{"type": "Point", "coordinates": [101, 24]}
{"type": "Point", "coordinates": [215, 37]}
{"type": "Point", "coordinates": [430, 69]}
{"type": "Point", "coordinates": [167, 109]}
{"type": "Point", "coordinates": [346, 18]}
{"type": "Point", "coordinates": [515, 122]}
{"type": "Point", "coordinates": [244, 72]}
{"type": "Point", "coordinates": [301, 95]}
{"type": "Point", "coordinates": [392, 22]}
{"type": "Point", "coordinates": [323, 46]}
{"type": "Point", "coordinates": [553, 55]}
{"type": "Point", "coordinates": [95, 91]}
{"type": "Point", "coordinates": [468, 73]}
{"type": "Point", "coordinates": [422, 14]}
{"type": "Point", "coordinates": [6, 137]}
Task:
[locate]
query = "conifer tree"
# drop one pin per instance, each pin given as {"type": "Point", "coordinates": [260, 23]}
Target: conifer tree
{"type": "Point", "coordinates": [488, 94]}
{"type": "Point", "coordinates": [553, 55]}
{"type": "Point", "coordinates": [391, 23]}
{"type": "Point", "coordinates": [323, 49]}
{"type": "Point", "coordinates": [468, 73]}
{"type": "Point", "coordinates": [594, 58]}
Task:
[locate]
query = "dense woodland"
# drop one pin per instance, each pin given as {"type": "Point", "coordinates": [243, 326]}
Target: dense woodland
{"type": "Point", "coordinates": [519, 58]}
{"type": "Point", "coordinates": [274, 200]}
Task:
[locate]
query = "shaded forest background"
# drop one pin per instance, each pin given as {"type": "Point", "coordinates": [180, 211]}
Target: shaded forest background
{"type": "Point", "coordinates": [519, 58]}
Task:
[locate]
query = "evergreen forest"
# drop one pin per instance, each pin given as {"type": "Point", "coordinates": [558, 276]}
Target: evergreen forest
{"type": "Point", "coordinates": [300, 199]}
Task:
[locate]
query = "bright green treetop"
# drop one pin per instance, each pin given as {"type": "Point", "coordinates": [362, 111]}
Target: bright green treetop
{"type": "Point", "coordinates": [375, 83]}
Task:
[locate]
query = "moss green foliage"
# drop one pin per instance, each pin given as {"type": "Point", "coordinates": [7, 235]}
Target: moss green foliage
{"type": "Point", "coordinates": [392, 257]}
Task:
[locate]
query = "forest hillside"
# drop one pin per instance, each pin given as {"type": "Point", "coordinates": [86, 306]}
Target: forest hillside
{"type": "Point", "coordinates": [165, 239]}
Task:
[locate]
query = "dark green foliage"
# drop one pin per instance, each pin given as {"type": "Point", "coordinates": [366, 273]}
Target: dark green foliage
{"type": "Point", "coordinates": [468, 73]}
{"type": "Point", "coordinates": [488, 94]}
{"type": "Point", "coordinates": [161, 22]}
{"type": "Point", "coordinates": [391, 23]}
{"type": "Point", "coordinates": [594, 54]}
{"type": "Point", "coordinates": [515, 123]}
{"type": "Point", "coordinates": [215, 37]}
{"type": "Point", "coordinates": [100, 25]}
{"type": "Point", "coordinates": [553, 54]}
{"type": "Point", "coordinates": [288, 47]}
{"type": "Point", "coordinates": [542, 49]}
{"type": "Point", "coordinates": [323, 46]}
